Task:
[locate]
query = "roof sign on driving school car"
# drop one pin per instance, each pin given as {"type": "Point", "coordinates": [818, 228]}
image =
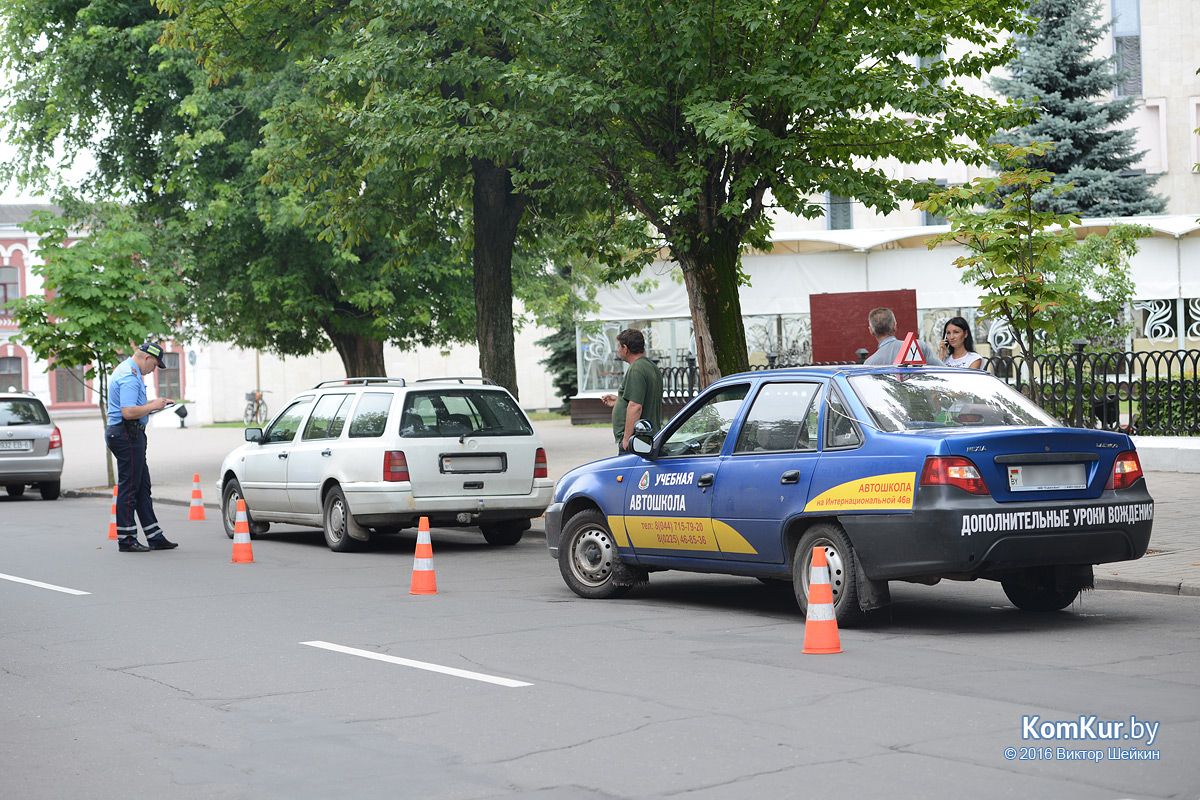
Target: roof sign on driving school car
{"type": "Point", "coordinates": [910, 354]}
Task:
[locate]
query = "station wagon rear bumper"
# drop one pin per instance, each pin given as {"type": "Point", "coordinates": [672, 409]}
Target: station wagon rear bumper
{"type": "Point", "coordinates": [955, 535]}
{"type": "Point", "coordinates": [382, 504]}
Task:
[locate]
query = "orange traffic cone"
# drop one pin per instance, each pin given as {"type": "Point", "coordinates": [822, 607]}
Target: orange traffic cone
{"type": "Point", "coordinates": [243, 553]}
{"type": "Point", "coordinates": [820, 623]}
{"type": "Point", "coordinates": [196, 508]}
{"type": "Point", "coordinates": [112, 517]}
{"type": "Point", "coordinates": [424, 581]}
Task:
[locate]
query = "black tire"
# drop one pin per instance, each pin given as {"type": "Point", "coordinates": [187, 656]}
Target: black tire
{"type": "Point", "coordinates": [337, 522]}
{"type": "Point", "coordinates": [49, 489]}
{"type": "Point", "coordinates": [229, 497]}
{"type": "Point", "coordinates": [1035, 591]}
{"type": "Point", "coordinates": [505, 534]}
{"type": "Point", "coordinates": [839, 553]}
{"type": "Point", "coordinates": [15, 489]}
{"type": "Point", "coordinates": [587, 557]}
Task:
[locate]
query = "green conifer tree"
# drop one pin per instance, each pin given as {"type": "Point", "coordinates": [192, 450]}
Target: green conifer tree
{"type": "Point", "coordinates": [1057, 72]}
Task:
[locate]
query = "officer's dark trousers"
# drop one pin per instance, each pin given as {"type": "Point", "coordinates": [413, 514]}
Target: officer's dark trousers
{"type": "Point", "coordinates": [128, 446]}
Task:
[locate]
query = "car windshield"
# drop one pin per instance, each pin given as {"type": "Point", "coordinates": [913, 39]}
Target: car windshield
{"type": "Point", "coordinates": [23, 412]}
{"type": "Point", "coordinates": [905, 401]}
{"type": "Point", "coordinates": [462, 412]}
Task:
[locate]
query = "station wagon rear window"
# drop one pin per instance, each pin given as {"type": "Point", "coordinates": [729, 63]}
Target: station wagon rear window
{"type": "Point", "coordinates": [462, 412]}
{"type": "Point", "coordinates": [905, 401]}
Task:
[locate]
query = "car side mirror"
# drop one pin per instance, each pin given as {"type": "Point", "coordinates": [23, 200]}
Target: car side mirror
{"type": "Point", "coordinates": [642, 443]}
{"type": "Point", "coordinates": [254, 434]}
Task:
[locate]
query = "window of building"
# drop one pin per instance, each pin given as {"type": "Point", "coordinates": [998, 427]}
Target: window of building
{"type": "Point", "coordinates": [11, 376]}
{"type": "Point", "coordinates": [839, 212]}
{"type": "Point", "coordinates": [1127, 44]}
{"type": "Point", "coordinates": [10, 287]}
{"type": "Point", "coordinates": [934, 219]}
{"type": "Point", "coordinates": [169, 383]}
{"type": "Point", "coordinates": [69, 386]}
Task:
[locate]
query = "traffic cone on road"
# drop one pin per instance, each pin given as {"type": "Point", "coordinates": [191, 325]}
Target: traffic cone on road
{"type": "Point", "coordinates": [820, 623]}
{"type": "Point", "coordinates": [424, 581]}
{"type": "Point", "coordinates": [112, 517]}
{"type": "Point", "coordinates": [196, 508]}
{"type": "Point", "coordinates": [243, 553]}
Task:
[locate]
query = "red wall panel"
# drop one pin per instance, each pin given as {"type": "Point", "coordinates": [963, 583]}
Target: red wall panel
{"type": "Point", "coordinates": [839, 321]}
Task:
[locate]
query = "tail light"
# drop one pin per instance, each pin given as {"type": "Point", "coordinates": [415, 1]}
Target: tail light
{"type": "Point", "coordinates": [953, 471]}
{"type": "Point", "coordinates": [56, 441]}
{"type": "Point", "coordinates": [395, 467]}
{"type": "Point", "coordinates": [1126, 471]}
{"type": "Point", "coordinates": [540, 470]}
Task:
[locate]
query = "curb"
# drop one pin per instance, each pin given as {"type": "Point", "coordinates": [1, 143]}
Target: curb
{"type": "Point", "coordinates": [164, 501]}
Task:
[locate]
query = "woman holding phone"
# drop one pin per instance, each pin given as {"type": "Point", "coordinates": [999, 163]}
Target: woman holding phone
{"type": "Point", "coordinates": [958, 346]}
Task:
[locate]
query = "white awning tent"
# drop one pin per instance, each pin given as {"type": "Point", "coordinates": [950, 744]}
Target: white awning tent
{"type": "Point", "coordinates": [815, 262]}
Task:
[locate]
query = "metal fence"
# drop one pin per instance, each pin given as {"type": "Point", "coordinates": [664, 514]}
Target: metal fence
{"type": "Point", "coordinates": [1149, 394]}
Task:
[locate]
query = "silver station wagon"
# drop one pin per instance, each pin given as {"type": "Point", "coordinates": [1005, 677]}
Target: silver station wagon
{"type": "Point", "coordinates": [30, 446]}
{"type": "Point", "coordinates": [361, 455]}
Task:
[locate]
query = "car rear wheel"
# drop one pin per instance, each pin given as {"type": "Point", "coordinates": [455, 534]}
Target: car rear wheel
{"type": "Point", "coordinates": [15, 489]}
{"type": "Point", "coordinates": [588, 558]}
{"type": "Point", "coordinates": [49, 489]}
{"type": "Point", "coordinates": [839, 554]}
{"type": "Point", "coordinates": [338, 523]}
{"type": "Point", "coordinates": [505, 533]}
{"type": "Point", "coordinates": [1035, 590]}
{"type": "Point", "coordinates": [229, 501]}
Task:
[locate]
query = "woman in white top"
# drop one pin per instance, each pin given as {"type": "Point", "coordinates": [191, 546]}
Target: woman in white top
{"type": "Point", "coordinates": [958, 346]}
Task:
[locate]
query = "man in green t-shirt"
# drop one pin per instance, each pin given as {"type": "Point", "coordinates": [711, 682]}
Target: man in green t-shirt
{"type": "Point", "coordinates": [640, 395]}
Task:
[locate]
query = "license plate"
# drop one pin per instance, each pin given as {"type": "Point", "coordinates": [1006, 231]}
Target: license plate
{"type": "Point", "coordinates": [16, 444]}
{"type": "Point", "coordinates": [474, 463]}
{"type": "Point", "coordinates": [1047, 477]}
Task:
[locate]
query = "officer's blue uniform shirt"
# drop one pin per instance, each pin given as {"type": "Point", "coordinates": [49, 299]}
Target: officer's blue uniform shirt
{"type": "Point", "coordinates": [126, 388]}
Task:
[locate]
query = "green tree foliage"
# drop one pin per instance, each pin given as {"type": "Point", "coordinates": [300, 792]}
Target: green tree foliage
{"type": "Point", "coordinates": [414, 119]}
{"type": "Point", "coordinates": [1095, 277]}
{"type": "Point", "coordinates": [1056, 72]}
{"type": "Point", "coordinates": [700, 117]}
{"type": "Point", "coordinates": [104, 294]}
{"type": "Point", "coordinates": [1008, 248]}
{"type": "Point", "coordinates": [91, 75]}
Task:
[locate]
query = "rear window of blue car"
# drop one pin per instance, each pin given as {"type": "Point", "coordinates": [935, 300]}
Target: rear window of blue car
{"type": "Point", "coordinates": [905, 401]}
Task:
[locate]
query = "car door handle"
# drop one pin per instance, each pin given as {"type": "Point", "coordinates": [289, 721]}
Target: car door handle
{"type": "Point", "coordinates": [705, 480]}
{"type": "Point", "coordinates": [326, 452]}
{"type": "Point", "coordinates": [791, 476]}
{"type": "Point", "coordinates": [283, 454]}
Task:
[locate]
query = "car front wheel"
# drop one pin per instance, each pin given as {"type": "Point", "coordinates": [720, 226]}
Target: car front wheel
{"type": "Point", "coordinates": [15, 489]}
{"type": "Point", "coordinates": [229, 501]}
{"type": "Point", "coordinates": [588, 558]}
{"type": "Point", "coordinates": [839, 554]}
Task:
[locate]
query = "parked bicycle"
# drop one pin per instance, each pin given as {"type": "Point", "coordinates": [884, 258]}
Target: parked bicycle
{"type": "Point", "coordinates": [256, 408]}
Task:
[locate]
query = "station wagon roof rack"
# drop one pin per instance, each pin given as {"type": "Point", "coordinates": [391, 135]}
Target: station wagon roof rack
{"type": "Point", "coordinates": [463, 379]}
{"type": "Point", "coordinates": [360, 382]}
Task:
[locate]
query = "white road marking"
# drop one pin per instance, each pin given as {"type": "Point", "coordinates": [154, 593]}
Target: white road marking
{"type": "Point", "coordinates": [41, 585]}
{"type": "Point", "coordinates": [408, 662]}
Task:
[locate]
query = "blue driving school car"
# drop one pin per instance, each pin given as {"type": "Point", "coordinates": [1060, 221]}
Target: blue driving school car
{"type": "Point", "coordinates": [900, 473]}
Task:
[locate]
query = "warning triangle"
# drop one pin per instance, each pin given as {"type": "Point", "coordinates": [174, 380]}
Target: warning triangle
{"type": "Point", "coordinates": [910, 354]}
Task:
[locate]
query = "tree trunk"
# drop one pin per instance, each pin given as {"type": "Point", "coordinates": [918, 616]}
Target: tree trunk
{"type": "Point", "coordinates": [710, 273]}
{"type": "Point", "coordinates": [362, 356]}
{"type": "Point", "coordinates": [497, 213]}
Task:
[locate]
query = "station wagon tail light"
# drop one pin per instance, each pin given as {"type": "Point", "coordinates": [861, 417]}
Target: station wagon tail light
{"type": "Point", "coordinates": [953, 471]}
{"type": "Point", "coordinates": [56, 440]}
{"type": "Point", "coordinates": [540, 470]}
{"type": "Point", "coordinates": [1126, 471]}
{"type": "Point", "coordinates": [395, 467]}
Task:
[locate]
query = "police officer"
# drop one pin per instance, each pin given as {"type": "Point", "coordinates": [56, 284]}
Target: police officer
{"type": "Point", "coordinates": [125, 436]}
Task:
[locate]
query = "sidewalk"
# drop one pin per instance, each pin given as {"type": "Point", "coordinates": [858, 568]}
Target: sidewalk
{"type": "Point", "coordinates": [1171, 566]}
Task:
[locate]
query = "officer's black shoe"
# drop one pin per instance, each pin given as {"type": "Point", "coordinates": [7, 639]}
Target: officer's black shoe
{"type": "Point", "coordinates": [159, 542]}
{"type": "Point", "coordinates": [132, 546]}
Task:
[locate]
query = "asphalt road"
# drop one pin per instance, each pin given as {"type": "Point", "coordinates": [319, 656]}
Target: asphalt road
{"type": "Point", "coordinates": [182, 675]}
